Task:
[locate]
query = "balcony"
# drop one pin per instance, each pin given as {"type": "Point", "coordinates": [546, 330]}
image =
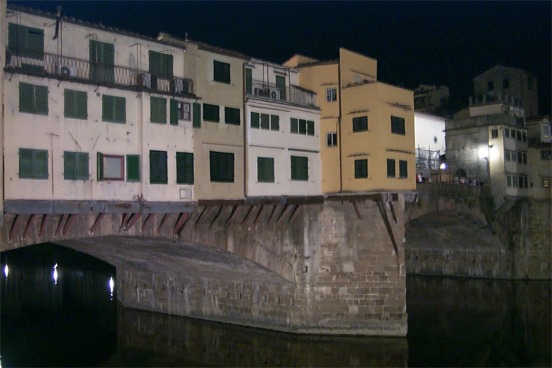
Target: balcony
{"type": "Point", "coordinates": [84, 71]}
{"type": "Point", "coordinates": [290, 94]}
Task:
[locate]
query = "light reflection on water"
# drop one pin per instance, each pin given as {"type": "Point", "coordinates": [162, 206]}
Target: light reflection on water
{"type": "Point", "coordinates": [452, 322]}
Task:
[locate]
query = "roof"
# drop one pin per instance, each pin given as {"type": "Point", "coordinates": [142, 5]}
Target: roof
{"type": "Point", "coordinates": [506, 68]}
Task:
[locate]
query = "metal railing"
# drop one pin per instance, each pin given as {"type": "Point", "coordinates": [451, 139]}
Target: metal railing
{"type": "Point", "coordinates": [289, 94]}
{"type": "Point", "coordinates": [84, 71]}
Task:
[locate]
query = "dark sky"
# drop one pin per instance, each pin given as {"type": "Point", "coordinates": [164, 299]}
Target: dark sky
{"type": "Point", "coordinates": [439, 42]}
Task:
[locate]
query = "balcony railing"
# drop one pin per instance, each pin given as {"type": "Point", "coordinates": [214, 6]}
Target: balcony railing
{"type": "Point", "coordinates": [84, 71]}
{"type": "Point", "coordinates": [290, 94]}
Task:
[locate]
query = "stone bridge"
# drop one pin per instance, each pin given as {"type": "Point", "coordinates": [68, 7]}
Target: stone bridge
{"type": "Point", "coordinates": [330, 265]}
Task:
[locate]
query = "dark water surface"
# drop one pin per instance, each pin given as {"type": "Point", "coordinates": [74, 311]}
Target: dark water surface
{"type": "Point", "coordinates": [75, 320]}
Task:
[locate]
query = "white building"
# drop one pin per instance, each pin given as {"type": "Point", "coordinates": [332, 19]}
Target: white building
{"type": "Point", "coordinates": [282, 133]}
{"type": "Point", "coordinates": [430, 141]}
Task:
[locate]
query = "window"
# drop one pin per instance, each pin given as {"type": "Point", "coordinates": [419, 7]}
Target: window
{"type": "Point", "coordinates": [281, 84]}
{"type": "Point", "coordinates": [113, 109]}
{"type": "Point", "coordinates": [211, 113]}
{"type": "Point", "coordinates": [33, 164]}
{"type": "Point", "coordinates": [158, 110]}
{"type": "Point", "coordinates": [299, 168]}
{"type": "Point", "coordinates": [360, 124]}
{"type": "Point", "coordinates": [184, 168]}
{"type": "Point", "coordinates": [507, 155]}
{"type": "Point", "coordinates": [265, 121]}
{"type": "Point", "coordinates": [248, 81]}
{"type": "Point", "coordinates": [133, 168]}
{"type": "Point", "coordinates": [494, 133]}
{"type": "Point", "coordinates": [546, 130]}
{"type": "Point", "coordinates": [265, 169]}
{"type": "Point", "coordinates": [221, 72]}
{"type": "Point", "coordinates": [397, 125]}
{"type": "Point", "coordinates": [302, 126]}
{"type": "Point", "coordinates": [255, 120]}
{"type": "Point", "coordinates": [509, 181]}
{"type": "Point", "coordinates": [75, 105]}
{"type": "Point", "coordinates": [310, 127]}
{"type": "Point", "coordinates": [390, 168]}
{"type": "Point", "coordinates": [111, 167]}
{"type": "Point", "coordinates": [274, 122]}
{"type": "Point", "coordinates": [361, 169]}
{"type": "Point", "coordinates": [546, 154]}
{"type": "Point", "coordinates": [102, 61]}
{"type": "Point", "coordinates": [546, 182]}
{"type": "Point", "coordinates": [26, 41]}
{"type": "Point", "coordinates": [523, 182]}
{"type": "Point", "coordinates": [184, 109]}
{"type": "Point", "coordinates": [197, 116]}
{"type": "Point", "coordinates": [331, 139]}
{"type": "Point", "coordinates": [221, 166]}
{"type": "Point", "coordinates": [331, 94]}
{"type": "Point", "coordinates": [403, 169]}
{"type": "Point", "coordinates": [524, 136]}
{"type": "Point", "coordinates": [518, 135]}
{"type": "Point", "coordinates": [75, 165]}
{"type": "Point", "coordinates": [294, 125]}
{"type": "Point", "coordinates": [506, 133]}
{"type": "Point", "coordinates": [158, 167]}
{"type": "Point", "coordinates": [505, 83]}
{"type": "Point", "coordinates": [232, 116]}
{"type": "Point", "coordinates": [33, 99]}
{"type": "Point", "coordinates": [160, 64]}
{"type": "Point", "coordinates": [490, 86]}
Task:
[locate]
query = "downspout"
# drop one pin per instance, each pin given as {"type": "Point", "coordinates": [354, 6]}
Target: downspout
{"type": "Point", "coordinates": [245, 166]}
{"type": "Point", "coordinates": [339, 124]}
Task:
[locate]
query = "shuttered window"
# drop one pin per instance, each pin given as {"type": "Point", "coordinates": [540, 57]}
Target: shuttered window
{"type": "Point", "coordinates": [248, 81]}
{"type": "Point", "coordinates": [403, 169]}
{"type": "Point", "coordinates": [294, 125]}
{"type": "Point", "coordinates": [360, 124]}
{"type": "Point", "coordinates": [133, 168]}
{"type": "Point", "coordinates": [221, 72]}
{"type": "Point", "coordinates": [361, 169]}
{"type": "Point", "coordinates": [33, 164]}
{"type": "Point", "coordinates": [299, 168]}
{"type": "Point", "coordinates": [221, 166]}
{"type": "Point", "coordinates": [158, 110]}
{"type": "Point", "coordinates": [196, 116]}
{"type": "Point", "coordinates": [265, 169]}
{"type": "Point", "coordinates": [158, 167]}
{"type": "Point", "coordinates": [174, 112]}
{"type": "Point", "coordinates": [255, 120]}
{"type": "Point", "coordinates": [102, 61]}
{"type": "Point", "coordinates": [211, 113]}
{"type": "Point", "coordinates": [310, 127]}
{"type": "Point", "coordinates": [75, 104]}
{"type": "Point", "coordinates": [75, 165]}
{"type": "Point", "coordinates": [390, 168]}
{"type": "Point", "coordinates": [274, 122]}
{"type": "Point", "coordinates": [184, 168]}
{"type": "Point", "coordinates": [265, 121]}
{"type": "Point", "coordinates": [160, 64]}
{"type": "Point", "coordinates": [33, 99]}
{"type": "Point", "coordinates": [281, 84]}
{"type": "Point", "coordinates": [113, 109]}
{"type": "Point", "coordinates": [232, 116]}
{"type": "Point", "coordinates": [26, 41]}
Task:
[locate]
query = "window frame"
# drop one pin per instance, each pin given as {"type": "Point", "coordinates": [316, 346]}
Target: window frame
{"type": "Point", "coordinates": [331, 94]}
{"type": "Point", "coordinates": [33, 99]}
{"type": "Point", "coordinates": [158, 110]}
{"type": "Point", "coordinates": [73, 103]}
{"type": "Point", "coordinates": [74, 160]}
{"type": "Point", "coordinates": [118, 108]}
{"type": "Point", "coordinates": [331, 139]}
{"type": "Point", "coordinates": [38, 164]}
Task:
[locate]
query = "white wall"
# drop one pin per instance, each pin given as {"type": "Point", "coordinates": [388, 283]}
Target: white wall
{"type": "Point", "coordinates": [429, 132]}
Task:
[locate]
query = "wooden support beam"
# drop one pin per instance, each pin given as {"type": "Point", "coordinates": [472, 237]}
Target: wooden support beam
{"type": "Point", "coordinates": [271, 214]}
{"type": "Point", "coordinates": [203, 213]}
{"type": "Point", "coordinates": [133, 220]}
{"type": "Point", "coordinates": [294, 213]}
{"type": "Point", "coordinates": [43, 226]}
{"type": "Point", "coordinates": [231, 217]}
{"type": "Point", "coordinates": [216, 216]}
{"type": "Point", "coordinates": [183, 219]}
{"type": "Point", "coordinates": [383, 213]}
{"type": "Point", "coordinates": [148, 218]}
{"type": "Point", "coordinates": [393, 211]}
{"type": "Point", "coordinates": [247, 214]}
{"type": "Point", "coordinates": [69, 223]}
{"type": "Point", "coordinates": [122, 226]}
{"type": "Point", "coordinates": [13, 229]}
{"type": "Point", "coordinates": [281, 215]}
{"type": "Point", "coordinates": [258, 214]}
{"type": "Point", "coordinates": [355, 206]}
{"type": "Point", "coordinates": [97, 223]}
{"type": "Point", "coordinates": [59, 227]}
{"type": "Point", "coordinates": [28, 226]}
{"type": "Point", "coordinates": [163, 221]}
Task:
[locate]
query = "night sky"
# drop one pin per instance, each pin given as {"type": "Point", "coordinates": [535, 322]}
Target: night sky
{"type": "Point", "coordinates": [442, 42]}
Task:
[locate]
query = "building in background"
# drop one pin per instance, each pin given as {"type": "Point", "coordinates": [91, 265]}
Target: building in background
{"type": "Point", "coordinates": [430, 143]}
{"type": "Point", "coordinates": [539, 157]}
{"type": "Point", "coordinates": [432, 99]}
{"type": "Point", "coordinates": [366, 126]}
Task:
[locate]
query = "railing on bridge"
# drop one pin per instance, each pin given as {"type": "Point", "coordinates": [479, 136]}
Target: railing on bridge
{"type": "Point", "coordinates": [84, 71]}
{"type": "Point", "coordinates": [290, 94]}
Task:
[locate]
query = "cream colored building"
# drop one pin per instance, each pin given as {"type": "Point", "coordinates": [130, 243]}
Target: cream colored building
{"type": "Point", "coordinates": [94, 114]}
{"type": "Point", "coordinates": [283, 133]}
{"type": "Point", "coordinates": [366, 126]}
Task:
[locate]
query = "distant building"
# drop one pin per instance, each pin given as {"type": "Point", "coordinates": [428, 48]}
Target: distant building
{"type": "Point", "coordinates": [366, 126]}
{"type": "Point", "coordinates": [431, 99]}
{"type": "Point", "coordinates": [539, 156]}
{"type": "Point", "coordinates": [430, 142]}
{"type": "Point", "coordinates": [509, 85]}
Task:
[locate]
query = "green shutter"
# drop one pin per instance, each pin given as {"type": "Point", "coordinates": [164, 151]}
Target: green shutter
{"type": "Point", "coordinates": [248, 81]}
{"type": "Point", "coordinates": [41, 164]}
{"type": "Point", "coordinates": [173, 112]}
{"type": "Point", "coordinates": [196, 115]}
{"type": "Point", "coordinates": [75, 104]}
{"type": "Point", "coordinates": [302, 126]}
{"type": "Point", "coordinates": [361, 169]}
{"type": "Point", "coordinates": [310, 127]}
{"type": "Point", "coordinates": [158, 110]}
{"type": "Point", "coordinates": [255, 120]}
{"type": "Point", "coordinates": [281, 84]}
{"type": "Point", "coordinates": [69, 103]}
{"type": "Point", "coordinates": [81, 110]}
{"type": "Point", "coordinates": [120, 109]}
{"type": "Point", "coordinates": [184, 168]}
{"type": "Point", "coordinates": [158, 167]}
{"type": "Point", "coordinates": [221, 166]}
{"type": "Point", "coordinates": [265, 169]}
{"type": "Point", "coordinates": [133, 167]}
{"type": "Point", "coordinates": [41, 100]}
{"type": "Point", "coordinates": [26, 97]}
{"type": "Point", "coordinates": [26, 41]}
{"type": "Point", "coordinates": [265, 121]}
{"type": "Point", "coordinates": [25, 163]}
{"type": "Point", "coordinates": [82, 165]}
{"type": "Point", "coordinates": [299, 168]}
{"type": "Point", "coordinates": [102, 61]}
{"type": "Point", "coordinates": [294, 125]}
{"type": "Point", "coordinates": [274, 122]}
{"type": "Point", "coordinates": [154, 63]}
{"type": "Point", "coordinates": [107, 108]}
{"type": "Point", "coordinates": [390, 168]}
{"type": "Point", "coordinates": [99, 162]}
{"type": "Point", "coordinates": [69, 166]}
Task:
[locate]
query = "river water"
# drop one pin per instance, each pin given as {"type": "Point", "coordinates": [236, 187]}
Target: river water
{"type": "Point", "coordinates": [59, 308]}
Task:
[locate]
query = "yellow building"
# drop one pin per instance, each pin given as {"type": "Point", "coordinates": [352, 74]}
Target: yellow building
{"type": "Point", "coordinates": [366, 127]}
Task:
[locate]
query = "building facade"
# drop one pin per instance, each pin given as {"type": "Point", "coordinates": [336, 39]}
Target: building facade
{"type": "Point", "coordinates": [430, 142]}
{"type": "Point", "coordinates": [539, 155]}
{"type": "Point", "coordinates": [431, 99]}
{"type": "Point", "coordinates": [366, 126]}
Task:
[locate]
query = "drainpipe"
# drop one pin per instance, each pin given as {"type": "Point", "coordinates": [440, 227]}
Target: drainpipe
{"type": "Point", "coordinates": [245, 166]}
{"type": "Point", "coordinates": [339, 124]}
